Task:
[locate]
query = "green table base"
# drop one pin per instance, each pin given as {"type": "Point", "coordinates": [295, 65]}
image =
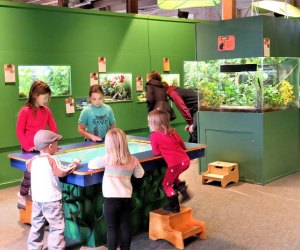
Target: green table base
{"type": "Point", "coordinates": [83, 208]}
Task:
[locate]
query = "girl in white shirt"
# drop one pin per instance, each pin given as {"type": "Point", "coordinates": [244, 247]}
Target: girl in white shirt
{"type": "Point", "coordinates": [119, 166]}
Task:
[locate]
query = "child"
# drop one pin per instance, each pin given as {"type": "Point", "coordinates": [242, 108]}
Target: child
{"type": "Point", "coordinates": [33, 116]}
{"type": "Point", "coordinates": [46, 192]}
{"type": "Point", "coordinates": [119, 166]}
{"type": "Point", "coordinates": [97, 118]}
{"type": "Point", "coordinates": [165, 141]}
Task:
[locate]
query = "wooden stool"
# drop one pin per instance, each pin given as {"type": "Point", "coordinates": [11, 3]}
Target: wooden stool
{"type": "Point", "coordinates": [175, 227]}
{"type": "Point", "coordinates": [225, 172]}
{"type": "Point", "coordinates": [25, 214]}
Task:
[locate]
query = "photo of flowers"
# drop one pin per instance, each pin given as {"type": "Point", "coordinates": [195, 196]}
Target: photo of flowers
{"type": "Point", "coordinates": [57, 77]}
{"type": "Point", "coordinates": [171, 79]}
{"type": "Point", "coordinates": [116, 86]}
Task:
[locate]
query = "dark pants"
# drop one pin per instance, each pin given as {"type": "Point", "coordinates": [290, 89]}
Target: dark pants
{"type": "Point", "coordinates": [25, 184]}
{"type": "Point", "coordinates": [117, 215]}
{"type": "Point", "coordinates": [194, 135]}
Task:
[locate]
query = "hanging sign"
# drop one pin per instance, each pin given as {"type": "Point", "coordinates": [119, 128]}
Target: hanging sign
{"type": "Point", "coordinates": [226, 43]}
{"type": "Point", "coordinates": [267, 46]}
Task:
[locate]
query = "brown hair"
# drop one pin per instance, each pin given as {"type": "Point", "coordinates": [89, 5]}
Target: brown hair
{"type": "Point", "coordinates": [116, 145]}
{"type": "Point", "coordinates": [96, 88]}
{"type": "Point", "coordinates": [161, 120]}
{"type": "Point", "coordinates": [155, 75]}
{"type": "Point", "coordinates": [37, 88]}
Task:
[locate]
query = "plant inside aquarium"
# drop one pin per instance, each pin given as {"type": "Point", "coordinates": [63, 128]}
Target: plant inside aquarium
{"type": "Point", "coordinates": [253, 84]}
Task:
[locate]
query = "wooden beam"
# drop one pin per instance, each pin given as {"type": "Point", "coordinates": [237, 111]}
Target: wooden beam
{"type": "Point", "coordinates": [228, 9]}
{"type": "Point", "coordinates": [132, 6]}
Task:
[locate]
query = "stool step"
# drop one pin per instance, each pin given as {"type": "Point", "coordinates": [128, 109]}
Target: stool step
{"type": "Point", "coordinates": [175, 227]}
{"type": "Point", "coordinates": [215, 176]}
{"type": "Point", "coordinates": [188, 229]}
{"type": "Point", "coordinates": [225, 172]}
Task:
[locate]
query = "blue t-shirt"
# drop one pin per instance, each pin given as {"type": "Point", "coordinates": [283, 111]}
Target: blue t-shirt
{"type": "Point", "coordinates": [97, 120]}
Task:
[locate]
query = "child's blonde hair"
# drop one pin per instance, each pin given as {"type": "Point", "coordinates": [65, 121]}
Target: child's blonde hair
{"type": "Point", "coordinates": [160, 119]}
{"type": "Point", "coordinates": [116, 145]}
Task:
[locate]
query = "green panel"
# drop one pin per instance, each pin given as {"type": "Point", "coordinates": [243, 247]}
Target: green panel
{"type": "Point", "coordinates": [264, 145]}
{"type": "Point", "coordinates": [284, 36]}
{"type": "Point", "coordinates": [233, 137]}
{"type": "Point", "coordinates": [248, 38]}
{"type": "Point", "coordinates": [41, 35]}
{"type": "Point", "coordinates": [280, 144]}
{"type": "Point", "coordinates": [8, 176]}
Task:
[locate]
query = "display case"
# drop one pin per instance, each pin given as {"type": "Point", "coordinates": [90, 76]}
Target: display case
{"type": "Point", "coordinates": [257, 84]}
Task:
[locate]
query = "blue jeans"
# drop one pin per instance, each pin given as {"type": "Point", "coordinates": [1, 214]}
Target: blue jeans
{"type": "Point", "coordinates": [117, 215]}
{"type": "Point", "coordinates": [53, 213]}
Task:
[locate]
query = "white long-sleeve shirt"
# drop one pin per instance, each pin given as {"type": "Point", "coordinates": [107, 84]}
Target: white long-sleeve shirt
{"type": "Point", "coordinates": [45, 170]}
{"type": "Point", "coordinates": [116, 180]}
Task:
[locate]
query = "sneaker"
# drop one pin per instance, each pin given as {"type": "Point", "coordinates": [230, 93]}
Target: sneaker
{"type": "Point", "coordinates": [21, 202]}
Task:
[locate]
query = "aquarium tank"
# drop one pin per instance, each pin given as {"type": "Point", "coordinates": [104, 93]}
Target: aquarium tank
{"type": "Point", "coordinates": [257, 84]}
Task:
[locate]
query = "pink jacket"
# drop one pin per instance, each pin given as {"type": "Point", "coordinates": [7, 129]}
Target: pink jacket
{"type": "Point", "coordinates": [29, 123]}
{"type": "Point", "coordinates": [170, 147]}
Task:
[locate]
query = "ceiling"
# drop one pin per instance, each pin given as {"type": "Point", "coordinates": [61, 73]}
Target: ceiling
{"type": "Point", "coordinates": [150, 7]}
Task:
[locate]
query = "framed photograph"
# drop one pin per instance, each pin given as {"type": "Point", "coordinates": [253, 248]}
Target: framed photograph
{"type": "Point", "coordinates": [81, 102]}
{"type": "Point", "coordinates": [171, 79]}
{"type": "Point", "coordinates": [141, 96]}
{"type": "Point", "coordinates": [57, 77]}
{"type": "Point", "coordinates": [116, 86]}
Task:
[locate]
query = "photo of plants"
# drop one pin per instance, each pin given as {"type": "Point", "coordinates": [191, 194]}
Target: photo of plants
{"type": "Point", "coordinates": [116, 86]}
{"type": "Point", "coordinates": [57, 77]}
{"type": "Point", "coordinates": [141, 96]}
{"type": "Point", "coordinates": [245, 84]}
{"type": "Point", "coordinates": [171, 79]}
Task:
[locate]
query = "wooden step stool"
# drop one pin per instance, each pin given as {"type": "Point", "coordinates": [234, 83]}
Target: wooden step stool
{"type": "Point", "coordinates": [175, 227]}
{"type": "Point", "coordinates": [225, 172]}
{"type": "Point", "coordinates": [25, 214]}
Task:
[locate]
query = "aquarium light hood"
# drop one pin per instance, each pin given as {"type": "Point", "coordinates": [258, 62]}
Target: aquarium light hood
{"type": "Point", "coordinates": [238, 67]}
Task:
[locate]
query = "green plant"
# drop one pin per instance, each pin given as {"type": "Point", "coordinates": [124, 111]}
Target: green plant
{"type": "Point", "coordinates": [57, 77]}
{"type": "Point", "coordinates": [141, 97]}
{"type": "Point", "coordinates": [272, 84]}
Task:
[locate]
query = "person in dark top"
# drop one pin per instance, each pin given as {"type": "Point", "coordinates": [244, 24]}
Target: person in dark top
{"type": "Point", "coordinates": [186, 100]}
{"type": "Point", "coordinates": [156, 96]}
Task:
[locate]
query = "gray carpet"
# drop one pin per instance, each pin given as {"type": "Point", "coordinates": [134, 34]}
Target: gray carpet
{"type": "Point", "coordinates": [241, 216]}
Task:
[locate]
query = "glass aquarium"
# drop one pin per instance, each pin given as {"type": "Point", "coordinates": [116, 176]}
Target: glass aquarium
{"type": "Point", "coordinates": [257, 84]}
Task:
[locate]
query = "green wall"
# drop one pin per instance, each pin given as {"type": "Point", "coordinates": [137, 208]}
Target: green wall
{"type": "Point", "coordinates": [39, 35]}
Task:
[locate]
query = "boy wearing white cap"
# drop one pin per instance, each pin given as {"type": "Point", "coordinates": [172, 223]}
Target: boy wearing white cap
{"type": "Point", "coordinates": [46, 192]}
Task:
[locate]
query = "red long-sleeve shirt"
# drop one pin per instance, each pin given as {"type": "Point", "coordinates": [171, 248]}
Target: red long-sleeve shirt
{"type": "Point", "coordinates": [29, 123]}
{"type": "Point", "coordinates": [170, 146]}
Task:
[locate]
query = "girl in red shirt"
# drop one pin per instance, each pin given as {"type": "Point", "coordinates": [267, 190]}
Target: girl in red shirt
{"type": "Point", "coordinates": [165, 141]}
{"type": "Point", "coordinates": [32, 117]}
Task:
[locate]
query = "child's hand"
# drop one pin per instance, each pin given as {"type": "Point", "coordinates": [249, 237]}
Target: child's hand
{"type": "Point", "coordinates": [191, 128]}
{"type": "Point", "coordinates": [76, 162]}
{"type": "Point", "coordinates": [95, 138]}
